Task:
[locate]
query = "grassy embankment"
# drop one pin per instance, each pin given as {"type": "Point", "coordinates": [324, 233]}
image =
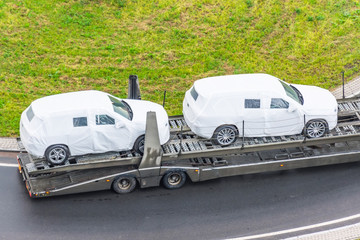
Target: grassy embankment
{"type": "Point", "coordinates": [49, 47]}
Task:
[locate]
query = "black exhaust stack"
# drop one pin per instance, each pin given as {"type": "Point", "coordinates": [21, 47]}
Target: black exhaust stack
{"type": "Point", "coordinates": [134, 88]}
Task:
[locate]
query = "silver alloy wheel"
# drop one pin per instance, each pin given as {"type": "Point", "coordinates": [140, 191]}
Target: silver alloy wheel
{"type": "Point", "coordinates": [174, 179]}
{"type": "Point", "coordinates": [316, 129]}
{"type": "Point", "coordinates": [142, 145]}
{"type": "Point", "coordinates": [57, 155]}
{"type": "Point", "coordinates": [226, 136]}
{"type": "Point", "coordinates": [139, 145]}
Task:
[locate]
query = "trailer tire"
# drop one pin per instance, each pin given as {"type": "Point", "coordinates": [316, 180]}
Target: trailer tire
{"type": "Point", "coordinates": [139, 145]}
{"type": "Point", "coordinates": [225, 135]}
{"type": "Point", "coordinates": [124, 184]}
{"type": "Point", "coordinates": [316, 128]}
{"type": "Point", "coordinates": [57, 154]}
{"type": "Point", "coordinates": [174, 179]}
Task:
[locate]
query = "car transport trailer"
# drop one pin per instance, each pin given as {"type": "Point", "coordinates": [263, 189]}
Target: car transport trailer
{"type": "Point", "coordinates": [187, 156]}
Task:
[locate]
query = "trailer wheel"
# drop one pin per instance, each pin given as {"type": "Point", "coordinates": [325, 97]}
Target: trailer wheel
{"type": "Point", "coordinates": [57, 154]}
{"type": "Point", "coordinates": [316, 128]}
{"type": "Point", "coordinates": [174, 179]}
{"type": "Point", "coordinates": [225, 135]}
{"type": "Point", "coordinates": [124, 184]}
{"type": "Point", "coordinates": [139, 145]}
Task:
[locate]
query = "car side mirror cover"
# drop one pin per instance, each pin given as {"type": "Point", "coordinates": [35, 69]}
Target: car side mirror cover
{"type": "Point", "coordinates": [119, 124]}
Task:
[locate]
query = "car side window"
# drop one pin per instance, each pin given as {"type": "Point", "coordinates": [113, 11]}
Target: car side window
{"type": "Point", "coordinates": [104, 120]}
{"type": "Point", "coordinates": [252, 103]}
{"type": "Point", "coordinates": [194, 93]}
{"type": "Point", "coordinates": [80, 122]}
{"type": "Point", "coordinates": [30, 114]}
{"type": "Point", "coordinates": [279, 103]}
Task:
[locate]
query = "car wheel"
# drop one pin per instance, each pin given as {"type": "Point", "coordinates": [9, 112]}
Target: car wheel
{"type": "Point", "coordinates": [57, 154]}
{"type": "Point", "coordinates": [316, 128]}
{"type": "Point", "coordinates": [124, 184]}
{"type": "Point", "coordinates": [225, 135]}
{"type": "Point", "coordinates": [139, 145]}
{"type": "Point", "coordinates": [174, 179]}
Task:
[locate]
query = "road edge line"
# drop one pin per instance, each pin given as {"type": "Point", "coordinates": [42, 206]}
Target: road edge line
{"type": "Point", "coordinates": [9, 165]}
{"type": "Point", "coordinates": [272, 234]}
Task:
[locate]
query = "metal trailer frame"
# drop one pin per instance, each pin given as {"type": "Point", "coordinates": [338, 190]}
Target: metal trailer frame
{"type": "Point", "coordinates": [156, 167]}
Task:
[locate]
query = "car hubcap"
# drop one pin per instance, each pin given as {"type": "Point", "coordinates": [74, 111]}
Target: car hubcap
{"type": "Point", "coordinates": [57, 155]}
{"type": "Point", "coordinates": [226, 136]}
{"type": "Point", "coordinates": [174, 179]}
{"type": "Point", "coordinates": [316, 129]}
{"type": "Point", "coordinates": [124, 184]}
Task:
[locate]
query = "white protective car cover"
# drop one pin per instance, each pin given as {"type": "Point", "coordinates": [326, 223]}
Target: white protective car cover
{"type": "Point", "coordinates": [50, 120]}
{"type": "Point", "coordinates": [220, 101]}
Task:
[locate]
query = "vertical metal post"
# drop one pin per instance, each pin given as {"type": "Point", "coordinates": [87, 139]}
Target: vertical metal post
{"type": "Point", "coordinates": [304, 129]}
{"type": "Point", "coordinates": [134, 88]}
{"type": "Point", "coordinates": [243, 134]}
{"type": "Point", "coordinates": [164, 98]}
{"type": "Point", "coordinates": [343, 83]}
{"type": "Point", "coordinates": [181, 138]}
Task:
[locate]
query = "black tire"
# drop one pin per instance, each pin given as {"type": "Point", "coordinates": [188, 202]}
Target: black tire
{"type": "Point", "coordinates": [57, 154]}
{"type": "Point", "coordinates": [124, 184]}
{"type": "Point", "coordinates": [174, 179]}
{"type": "Point", "coordinates": [225, 135]}
{"type": "Point", "coordinates": [316, 128]}
{"type": "Point", "coordinates": [139, 145]}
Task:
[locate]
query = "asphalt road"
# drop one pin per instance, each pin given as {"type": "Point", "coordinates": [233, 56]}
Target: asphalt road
{"type": "Point", "coordinates": [217, 209]}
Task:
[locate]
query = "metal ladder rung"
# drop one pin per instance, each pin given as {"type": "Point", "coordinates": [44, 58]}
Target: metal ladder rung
{"type": "Point", "coordinates": [172, 124]}
{"type": "Point", "coordinates": [191, 146]}
{"type": "Point", "coordinates": [179, 123]}
{"type": "Point", "coordinates": [172, 148]}
{"type": "Point", "coordinates": [184, 147]}
{"type": "Point", "coordinates": [284, 138]}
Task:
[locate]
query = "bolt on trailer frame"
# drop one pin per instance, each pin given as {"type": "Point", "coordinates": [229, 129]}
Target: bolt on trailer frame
{"type": "Point", "coordinates": [186, 156]}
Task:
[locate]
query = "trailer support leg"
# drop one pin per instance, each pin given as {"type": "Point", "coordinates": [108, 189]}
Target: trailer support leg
{"type": "Point", "coordinates": [149, 168]}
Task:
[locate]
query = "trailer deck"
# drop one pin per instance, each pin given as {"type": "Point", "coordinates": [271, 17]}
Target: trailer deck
{"type": "Point", "coordinates": [187, 155]}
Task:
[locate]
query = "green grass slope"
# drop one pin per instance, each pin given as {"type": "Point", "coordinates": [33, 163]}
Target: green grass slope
{"type": "Point", "coordinates": [49, 47]}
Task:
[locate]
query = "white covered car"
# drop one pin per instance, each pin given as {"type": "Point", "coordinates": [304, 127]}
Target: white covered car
{"type": "Point", "coordinates": [257, 105]}
{"type": "Point", "coordinates": [85, 122]}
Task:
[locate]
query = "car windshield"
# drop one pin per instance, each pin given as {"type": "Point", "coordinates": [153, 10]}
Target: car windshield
{"type": "Point", "coordinates": [121, 107]}
{"type": "Point", "coordinates": [292, 92]}
{"type": "Point", "coordinates": [301, 98]}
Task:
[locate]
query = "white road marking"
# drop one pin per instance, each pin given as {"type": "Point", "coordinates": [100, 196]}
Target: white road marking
{"type": "Point", "coordinates": [8, 165]}
{"type": "Point", "coordinates": [272, 234]}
